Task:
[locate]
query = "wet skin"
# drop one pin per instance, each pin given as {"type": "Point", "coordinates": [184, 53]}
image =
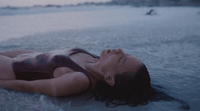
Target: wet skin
{"type": "Point", "coordinates": [115, 61]}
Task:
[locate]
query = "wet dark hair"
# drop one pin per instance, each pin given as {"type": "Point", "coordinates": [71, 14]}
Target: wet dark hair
{"type": "Point", "coordinates": [133, 89]}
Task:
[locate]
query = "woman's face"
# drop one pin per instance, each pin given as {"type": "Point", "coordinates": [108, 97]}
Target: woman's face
{"type": "Point", "coordinates": [116, 62]}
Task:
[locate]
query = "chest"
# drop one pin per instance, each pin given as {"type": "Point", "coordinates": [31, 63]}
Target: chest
{"type": "Point", "coordinates": [79, 58]}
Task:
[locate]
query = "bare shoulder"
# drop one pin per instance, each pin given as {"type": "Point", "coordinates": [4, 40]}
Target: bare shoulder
{"type": "Point", "coordinates": [79, 77]}
{"type": "Point", "coordinates": [72, 83]}
{"type": "Point", "coordinates": [75, 76]}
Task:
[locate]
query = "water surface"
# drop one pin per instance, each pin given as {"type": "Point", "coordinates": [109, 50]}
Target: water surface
{"type": "Point", "coordinates": [168, 43]}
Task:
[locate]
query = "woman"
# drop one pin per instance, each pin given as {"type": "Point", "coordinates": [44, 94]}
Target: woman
{"type": "Point", "coordinates": [115, 77]}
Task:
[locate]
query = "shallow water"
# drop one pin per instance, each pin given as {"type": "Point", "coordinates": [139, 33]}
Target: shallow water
{"type": "Point", "coordinates": [168, 43]}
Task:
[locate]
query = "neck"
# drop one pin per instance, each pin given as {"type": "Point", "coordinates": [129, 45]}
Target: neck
{"type": "Point", "coordinates": [94, 71]}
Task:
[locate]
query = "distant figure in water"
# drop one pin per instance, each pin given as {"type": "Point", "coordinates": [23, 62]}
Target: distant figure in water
{"type": "Point", "coordinates": [113, 77]}
{"type": "Point", "coordinates": [151, 12]}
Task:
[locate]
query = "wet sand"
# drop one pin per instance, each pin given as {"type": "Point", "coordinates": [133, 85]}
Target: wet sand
{"type": "Point", "coordinates": [167, 42]}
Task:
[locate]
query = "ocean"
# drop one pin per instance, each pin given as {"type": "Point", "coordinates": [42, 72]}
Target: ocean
{"type": "Point", "coordinates": [167, 41]}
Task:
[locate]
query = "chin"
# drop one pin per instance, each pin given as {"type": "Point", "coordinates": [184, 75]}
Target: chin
{"type": "Point", "coordinates": [103, 54]}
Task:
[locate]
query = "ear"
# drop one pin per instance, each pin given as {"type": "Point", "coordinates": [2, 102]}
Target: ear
{"type": "Point", "coordinates": [109, 79]}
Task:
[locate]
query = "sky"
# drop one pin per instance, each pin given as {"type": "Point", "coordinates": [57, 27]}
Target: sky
{"type": "Point", "coordinates": [21, 3]}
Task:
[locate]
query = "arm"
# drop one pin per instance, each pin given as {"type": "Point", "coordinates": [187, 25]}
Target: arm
{"type": "Point", "coordinates": [14, 53]}
{"type": "Point", "coordinates": [67, 84]}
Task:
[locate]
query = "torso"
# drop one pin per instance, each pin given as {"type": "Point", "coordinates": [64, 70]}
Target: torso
{"type": "Point", "coordinates": [78, 58]}
{"type": "Point", "coordinates": [42, 62]}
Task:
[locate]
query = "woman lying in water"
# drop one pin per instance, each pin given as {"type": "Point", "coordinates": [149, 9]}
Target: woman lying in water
{"type": "Point", "coordinates": [114, 77]}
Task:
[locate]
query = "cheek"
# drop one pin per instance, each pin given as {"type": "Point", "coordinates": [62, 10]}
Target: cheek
{"type": "Point", "coordinates": [108, 64]}
{"type": "Point", "coordinates": [128, 69]}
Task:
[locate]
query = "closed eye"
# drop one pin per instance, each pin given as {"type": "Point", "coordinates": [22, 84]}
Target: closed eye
{"type": "Point", "coordinates": [122, 59]}
{"type": "Point", "coordinates": [125, 59]}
